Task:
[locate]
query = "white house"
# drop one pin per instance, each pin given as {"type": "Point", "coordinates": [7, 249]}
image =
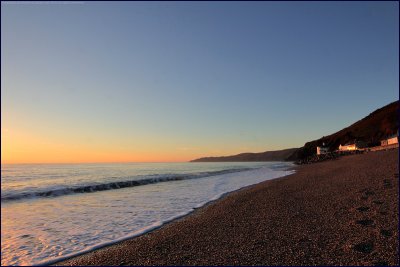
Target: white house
{"type": "Point", "coordinates": [393, 140]}
{"type": "Point", "coordinates": [390, 141]}
{"type": "Point", "coordinates": [348, 147]}
{"type": "Point", "coordinates": [321, 150]}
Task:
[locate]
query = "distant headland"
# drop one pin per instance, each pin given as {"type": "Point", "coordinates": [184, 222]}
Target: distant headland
{"type": "Point", "coordinates": [278, 155]}
{"type": "Point", "coordinates": [371, 130]}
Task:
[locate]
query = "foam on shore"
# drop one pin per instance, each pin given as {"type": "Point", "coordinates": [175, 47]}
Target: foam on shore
{"type": "Point", "coordinates": [72, 224]}
{"type": "Point", "coordinates": [159, 224]}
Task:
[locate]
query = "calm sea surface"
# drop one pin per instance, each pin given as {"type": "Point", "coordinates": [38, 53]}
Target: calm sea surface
{"type": "Point", "coordinates": [53, 211]}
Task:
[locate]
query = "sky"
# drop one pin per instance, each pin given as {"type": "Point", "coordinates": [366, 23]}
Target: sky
{"type": "Point", "coordinates": [174, 81]}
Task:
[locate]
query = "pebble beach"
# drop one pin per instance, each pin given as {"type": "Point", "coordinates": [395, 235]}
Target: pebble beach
{"type": "Point", "coordinates": [338, 212]}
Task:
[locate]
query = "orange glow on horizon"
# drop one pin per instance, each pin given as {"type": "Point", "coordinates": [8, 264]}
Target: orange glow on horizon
{"type": "Point", "coordinates": [80, 156]}
{"type": "Point", "coordinates": [88, 157]}
{"type": "Point", "coordinates": [20, 148]}
{"type": "Point", "coordinates": [47, 154]}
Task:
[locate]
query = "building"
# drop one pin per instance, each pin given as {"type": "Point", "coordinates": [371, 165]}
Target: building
{"type": "Point", "coordinates": [354, 146]}
{"type": "Point", "coordinates": [393, 140]}
{"type": "Point", "coordinates": [390, 141]}
{"type": "Point", "coordinates": [321, 150]}
{"type": "Point", "coordinates": [347, 147]}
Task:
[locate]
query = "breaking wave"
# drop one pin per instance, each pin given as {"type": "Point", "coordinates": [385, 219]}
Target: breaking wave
{"type": "Point", "coordinates": [151, 179]}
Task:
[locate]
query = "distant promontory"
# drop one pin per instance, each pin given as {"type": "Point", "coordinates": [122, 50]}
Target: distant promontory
{"type": "Point", "coordinates": [371, 130]}
{"type": "Point", "coordinates": [278, 155]}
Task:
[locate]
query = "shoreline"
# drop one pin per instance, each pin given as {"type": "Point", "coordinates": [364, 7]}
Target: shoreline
{"type": "Point", "coordinates": [283, 221]}
{"type": "Point", "coordinates": [153, 228]}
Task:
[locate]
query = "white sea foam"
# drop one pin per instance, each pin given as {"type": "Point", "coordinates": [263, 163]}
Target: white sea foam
{"type": "Point", "coordinates": [46, 230]}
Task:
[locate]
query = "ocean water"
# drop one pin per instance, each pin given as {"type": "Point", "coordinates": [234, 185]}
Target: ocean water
{"type": "Point", "coordinates": [53, 211]}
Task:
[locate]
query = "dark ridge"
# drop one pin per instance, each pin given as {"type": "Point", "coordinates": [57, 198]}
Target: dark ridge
{"type": "Point", "coordinates": [279, 155]}
{"type": "Point", "coordinates": [372, 129]}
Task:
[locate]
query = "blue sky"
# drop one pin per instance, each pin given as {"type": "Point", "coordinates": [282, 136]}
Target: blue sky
{"type": "Point", "coordinates": [189, 79]}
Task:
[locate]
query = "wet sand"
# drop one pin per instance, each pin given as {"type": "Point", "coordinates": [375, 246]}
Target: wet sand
{"type": "Point", "coordinates": [340, 212]}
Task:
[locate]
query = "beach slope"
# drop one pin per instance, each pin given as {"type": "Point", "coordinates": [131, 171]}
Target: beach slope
{"type": "Point", "coordinates": [341, 212]}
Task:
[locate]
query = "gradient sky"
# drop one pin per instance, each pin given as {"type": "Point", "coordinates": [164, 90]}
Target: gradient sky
{"type": "Point", "coordinates": [173, 81]}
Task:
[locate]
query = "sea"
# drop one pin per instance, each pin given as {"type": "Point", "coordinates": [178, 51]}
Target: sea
{"type": "Point", "coordinates": [50, 212]}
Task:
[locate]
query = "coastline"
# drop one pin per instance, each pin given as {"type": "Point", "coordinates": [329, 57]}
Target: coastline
{"type": "Point", "coordinates": [155, 227]}
{"type": "Point", "coordinates": [342, 212]}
